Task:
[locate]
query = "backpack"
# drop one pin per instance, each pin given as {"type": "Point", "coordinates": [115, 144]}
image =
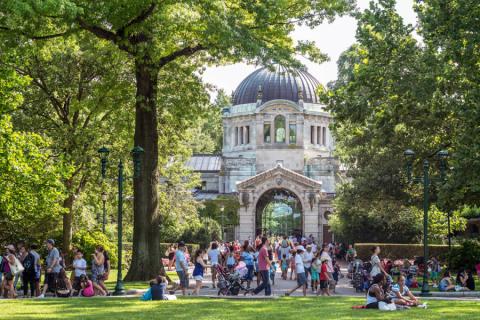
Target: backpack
{"type": "Point", "coordinates": [29, 264]}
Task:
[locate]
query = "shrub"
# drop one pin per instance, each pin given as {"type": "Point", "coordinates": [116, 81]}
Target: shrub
{"type": "Point", "coordinates": [400, 251]}
{"type": "Point", "coordinates": [87, 241]}
{"type": "Point", "coordinates": [467, 255]}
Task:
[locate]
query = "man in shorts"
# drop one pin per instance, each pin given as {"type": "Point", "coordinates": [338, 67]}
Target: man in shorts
{"type": "Point", "coordinates": [300, 270]}
{"type": "Point", "coordinates": [181, 267]}
{"type": "Point", "coordinates": [53, 268]}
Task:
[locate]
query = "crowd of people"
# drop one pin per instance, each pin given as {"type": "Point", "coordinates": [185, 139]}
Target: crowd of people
{"type": "Point", "coordinates": [24, 264]}
{"type": "Point", "coordinates": [298, 258]}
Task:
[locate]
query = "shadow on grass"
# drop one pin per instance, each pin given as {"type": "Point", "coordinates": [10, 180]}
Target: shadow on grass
{"type": "Point", "coordinates": [205, 308]}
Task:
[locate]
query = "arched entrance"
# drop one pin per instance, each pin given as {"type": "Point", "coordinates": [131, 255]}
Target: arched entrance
{"type": "Point", "coordinates": [279, 212]}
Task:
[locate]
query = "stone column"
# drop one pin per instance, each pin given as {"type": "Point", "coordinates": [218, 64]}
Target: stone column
{"type": "Point", "coordinates": [247, 223]}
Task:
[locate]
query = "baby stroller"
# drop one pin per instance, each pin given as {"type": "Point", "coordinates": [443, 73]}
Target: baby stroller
{"type": "Point", "coordinates": [230, 283]}
{"type": "Point", "coordinates": [358, 275]}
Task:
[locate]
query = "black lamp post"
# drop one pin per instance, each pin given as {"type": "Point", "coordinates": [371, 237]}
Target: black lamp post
{"type": "Point", "coordinates": [426, 180]}
{"type": "Point", "coordinates": [104, 201]}
{"type": "Point", "coordinates": [136, 154]}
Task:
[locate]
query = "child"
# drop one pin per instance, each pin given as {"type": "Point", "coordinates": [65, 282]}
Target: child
{"type": "Point", "coordinates": [230, 261]}
{"type": "Point", "coordinates": [324, 278]}
{"type": "Point", "coordinates": [86, 287]}
{"type": "Point", "coordinates": [335, 276]}
{"type": "Point", "coordinates": [316, 265]}
{"type": "Point", "coordinates": [273, 270]}
{"type": "Point", "coordinates": [292, 265]}
{"type": "Point", "coordinates": [80, 267]}
{"type": "Point", "coordinates": [284, 266]}
{"type": "Point", "coordinates": [436, 269]}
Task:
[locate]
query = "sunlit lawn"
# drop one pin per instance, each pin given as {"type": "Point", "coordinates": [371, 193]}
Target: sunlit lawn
{"type": "Point", "coordinates": [112, 280]}
{"type": "Point", "coordinates": [208, 308]}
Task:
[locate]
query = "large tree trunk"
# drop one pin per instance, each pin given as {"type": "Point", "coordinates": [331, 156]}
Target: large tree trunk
{"type": "Point", "coordinates": [146, 259]}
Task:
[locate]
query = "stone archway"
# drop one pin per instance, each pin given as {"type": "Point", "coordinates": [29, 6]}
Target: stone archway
{"type": "Point", "coordinates": [306, 190]}
{"type": "Point", "coordinates": [278, 211]}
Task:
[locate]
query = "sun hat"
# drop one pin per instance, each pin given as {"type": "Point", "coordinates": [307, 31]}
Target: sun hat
{"type": "Point", "coordinates": [301, 248]}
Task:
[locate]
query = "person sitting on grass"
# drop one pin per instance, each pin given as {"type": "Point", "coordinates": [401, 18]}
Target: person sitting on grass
{"type": "Point", "coordinates": [86, 286]}
{"type": "Point", "coordinates": [470, 283]}
{"type": "Point", "coordinates": [64, 286]}
{"type": "Point", "coordinates": [446, 283]}
{"type": "Point", "coordinates": [461, 281]}
{"type": "Point", "coordinates": [401, 295]}
{"type": "Point", "coordinates": [159, 288]}
{"type": "Point", "coordinates": [375, 293]}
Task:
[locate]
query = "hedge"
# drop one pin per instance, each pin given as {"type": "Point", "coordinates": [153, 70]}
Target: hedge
{"type": "Point", "coordinates": [400, 251]}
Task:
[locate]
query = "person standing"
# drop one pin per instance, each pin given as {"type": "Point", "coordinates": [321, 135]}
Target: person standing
{"type": "Point", "coordinates": [326, 256]}
{"type": "Point", "coordinates": [53, 268]}
{"type": "Point", "coordinates": [376, 263]}
{"type": "Point", "coordinates": [264, 268]}
{"type": "Point", "coordinates": [29, 274]}
{"type": "Point", "coordinates": [307, 263]}
{"type": "Point", "coordinates": [106, 264]}
{"type": "Point", "coordinates": [181, 267]}
{"type": "Point", "coordinates": [247, 257]}
{"type": "Point", "coordinates": [300, 271]}
{"type": "Point", "coordinates": [325, 278]}
{"type": "Point", "coordinates": [213, 255]}
{"type": "Point", "coordinates": [38, 268]}
{"type": "Point", "coordinates": [80, 268]}
{"type": "Point", "coordinates": [98, 271]}
{"type": "Point", "coordinates": [198, 271]}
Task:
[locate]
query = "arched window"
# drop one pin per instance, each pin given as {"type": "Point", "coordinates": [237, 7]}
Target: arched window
{"type": "Point", "coordinates": [280, 133]}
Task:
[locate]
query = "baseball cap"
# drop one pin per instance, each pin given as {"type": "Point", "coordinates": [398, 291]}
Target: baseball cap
{"type": "Point", "coordinates": [10, 247]}
{"type": "Point", "coordinates": [51, 241]}
{"type": "Point", "coordinates": [181, 244]}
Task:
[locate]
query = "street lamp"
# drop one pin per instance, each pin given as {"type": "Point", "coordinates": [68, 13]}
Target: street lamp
{"type": "Point", "coordinates": [222, 208]}
{"type": "Point", "coordinates": [104, 201]}
{"type": "Point", "coordinates": [136, 154]}
{"type": "Point", "coordinates": [442, 156]}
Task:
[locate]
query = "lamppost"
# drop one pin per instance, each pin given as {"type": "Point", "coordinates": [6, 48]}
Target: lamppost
{"type": "Point", "coordinates": [222, 209]}
{"type": "Point", "coordinates": [104, 201]}
{"type": "Point", "coordinates": [426, 180]}
{"type": "Point", "coordinates": [136, 153]}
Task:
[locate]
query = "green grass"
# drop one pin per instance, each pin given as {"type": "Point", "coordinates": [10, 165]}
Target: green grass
{"type": "Point", "coordinates": [112, 280]}
{"type": "Point", "coordinates": [209, 309]}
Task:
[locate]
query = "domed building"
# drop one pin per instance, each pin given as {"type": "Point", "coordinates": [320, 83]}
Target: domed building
{"type": "Point", "coordinates": [276, 156]}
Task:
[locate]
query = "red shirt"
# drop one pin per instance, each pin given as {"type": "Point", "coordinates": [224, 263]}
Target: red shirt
{"type": "Point", "coordinates": [323, 272]}
{"type": "Point", "coordinates": [262, 259]}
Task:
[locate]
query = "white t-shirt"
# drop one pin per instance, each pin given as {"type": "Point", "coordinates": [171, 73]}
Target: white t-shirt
{"type": "Point", "coordinates": [299, 268]}
{"type": "Point", "coordinates": [80, 263]}
{"type": "Point", "coordinates": [213, 256]}
{"type": "Point", "coordinates": [375, 261]}
{"type": "Point", "coordinates": [307, 259]}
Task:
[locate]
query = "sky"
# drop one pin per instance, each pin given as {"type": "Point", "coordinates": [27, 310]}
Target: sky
{"type": "Point", "coordinates": [332, 39]}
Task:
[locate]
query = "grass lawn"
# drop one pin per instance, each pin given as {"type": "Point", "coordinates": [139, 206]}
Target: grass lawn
{"type": "Point", "coordinates": [207, 308]}
{"type": "Point", "coordinates": [112, 281]}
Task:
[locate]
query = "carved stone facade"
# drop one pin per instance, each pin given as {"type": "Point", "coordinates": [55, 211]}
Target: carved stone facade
{"type": "Point", "coordinates": [280, 141]}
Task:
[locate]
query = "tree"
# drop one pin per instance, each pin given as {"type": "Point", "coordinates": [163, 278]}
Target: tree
{"type": "Point", "coordinates": [207, 136]}
{"type": "Point", "coordinates": [74, 83]}
{"type": "Point", "coordinates": [386, 99]}
{"type": "Point", "coordinates": [157, 33]}
{"type": "Point", "coordinates": [450, 29]}
{"type": "Point", "coordinates": [30, 188]}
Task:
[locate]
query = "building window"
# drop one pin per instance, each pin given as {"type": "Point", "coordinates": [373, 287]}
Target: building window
{"type": "Point", "coordinates": [241, 135]}
{"type": "Point", "coordinates": [312, 135]}
{"type": "Point", "coordinates": [236, 136]}
{"type": "Point", "coordinates": [280, 134]}
{"type": "Point", "coordinates": [319, 138]}
{"type": "Point", "coordinates": [266, 133]}
{"type": "Point", "coordinates": [247, 134]}
{"type": "Point", "coordinates": [324, 136]}
{"type": "Point", "coordinates": [292, 128]}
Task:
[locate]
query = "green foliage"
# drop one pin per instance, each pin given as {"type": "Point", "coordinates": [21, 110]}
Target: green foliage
{"type": "Point", "coordinates": [30, 187]}
{"type": "Point", "coordinates": [87, 241]}
{"type": "Point", "coordinates": [400, 251]}
{"type": "Point", "coordinates": [467, 255]}
{"type": "Point", "coordinates": [213, 209]}
{"type": "Point", "coordinates": [207, 135]}
{"type": "Point", "coordinates": [469, 212]}
{"type": "Point", "coordinates": [203, 233]}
